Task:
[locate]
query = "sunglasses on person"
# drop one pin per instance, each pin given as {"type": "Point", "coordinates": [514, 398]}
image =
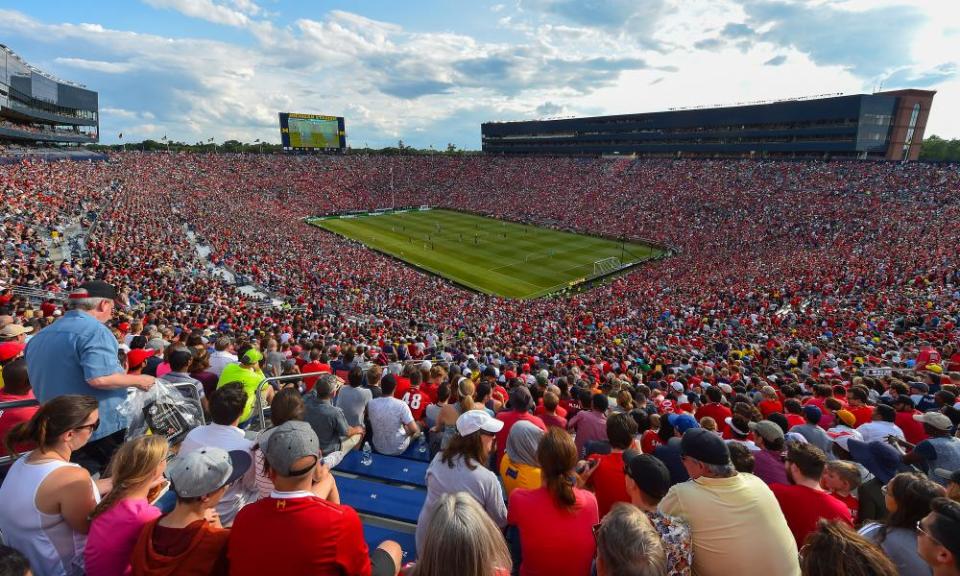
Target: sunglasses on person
{"type": "Point", "coordinates": [93, 427]}
{"type": "Point", "coordinates": [925, 532]}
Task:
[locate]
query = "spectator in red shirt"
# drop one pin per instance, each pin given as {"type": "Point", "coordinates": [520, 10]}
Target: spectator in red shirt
{"type": "Point", "coordinates": [650, 438]}
{"type": "Point", "coordinates": [912, 429]}
{"type": "Point", "coordinates": [607, 472]}
{"type": "Point", "coordinates": [551, 411]}
{"type": "Point", "coordinates": [317, 363]}
{"type": "Point", "coordinates": [857, 405]}
{"type": "Point", "coordinates": [555, 522]}
{"type": "Point", "coordinates": [770, 403]}
{"type": "Point", "coordinates": [521, 402]}
{"type": "Point", "coordinates": [803, 501]}
{"type": "Point", "coordinates": [462, 539]}
{"type": "Point", "coordinates": [313, 535]}
{"type": "Point", "coordinates": [16, 387]}
{"type": "Point", "coordinates": [794, 413]}
{"type": "Point", "coordinates": [714, 408]}
{"type": "Point", "coordinates": [416, 397]}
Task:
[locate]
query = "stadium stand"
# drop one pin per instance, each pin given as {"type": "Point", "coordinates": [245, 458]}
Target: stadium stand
{"type": "Point", "coordinates": [818, 283]}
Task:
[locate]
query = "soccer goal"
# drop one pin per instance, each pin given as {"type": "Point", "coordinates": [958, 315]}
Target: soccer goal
{"type": "Point", "coordinates": [605, 265]}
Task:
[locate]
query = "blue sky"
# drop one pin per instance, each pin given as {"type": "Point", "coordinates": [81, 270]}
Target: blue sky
{"type": "Point", "coordinates": [430, 72]}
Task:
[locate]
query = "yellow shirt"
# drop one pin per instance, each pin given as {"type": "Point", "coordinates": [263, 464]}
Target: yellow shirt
{"type": "Point", "coordinates": [518, 475]}
{"type": "Point", "coordinates": [737, 526]}
{"type": "Point", "coordinates": [249, 378]}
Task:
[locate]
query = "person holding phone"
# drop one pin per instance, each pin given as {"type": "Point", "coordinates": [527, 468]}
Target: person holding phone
{"type": "Point", "coordinates": [137, 471]}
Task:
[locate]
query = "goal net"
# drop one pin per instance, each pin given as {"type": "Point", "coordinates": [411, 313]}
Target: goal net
{"type": "Point", "coordinates": [605, 265]}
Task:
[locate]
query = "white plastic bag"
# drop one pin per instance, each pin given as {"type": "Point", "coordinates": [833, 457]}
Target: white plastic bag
{"type": "Point", "coordinates": [163, 410]}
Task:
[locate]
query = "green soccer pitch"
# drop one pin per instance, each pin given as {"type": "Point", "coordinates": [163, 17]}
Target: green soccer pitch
{"type": "Point", "coordinates": [489, 255]}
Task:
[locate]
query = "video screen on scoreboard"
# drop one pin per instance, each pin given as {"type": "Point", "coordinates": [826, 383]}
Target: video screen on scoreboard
{"type": "Point", "coordinates": [312, 131]}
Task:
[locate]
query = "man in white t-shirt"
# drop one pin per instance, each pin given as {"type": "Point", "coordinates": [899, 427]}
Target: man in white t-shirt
{"type": "Point", "coordinates": [881, 426]}
{"type": "Point", "coordinates": [222, 355]}
{"type": "Point", "coordinates": [391, 420]}
{"type": "Point", "coordinates": [226, 405]}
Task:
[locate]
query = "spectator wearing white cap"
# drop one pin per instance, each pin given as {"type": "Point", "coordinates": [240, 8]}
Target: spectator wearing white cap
{"type": "Point", "coordinates": [460, 468]}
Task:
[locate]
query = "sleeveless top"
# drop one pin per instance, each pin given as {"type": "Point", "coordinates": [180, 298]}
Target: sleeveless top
{"type": "Point", "coordinates": [450, 429]}
{"type": "Point", "coordinates": [49, 543]}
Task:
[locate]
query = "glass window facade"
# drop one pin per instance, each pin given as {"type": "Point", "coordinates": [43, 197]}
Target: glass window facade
{"type": "Point", "coordinates": [42, 107]}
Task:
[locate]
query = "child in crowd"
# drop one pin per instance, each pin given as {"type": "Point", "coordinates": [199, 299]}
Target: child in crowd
{"type": "Point", "coordinates": [841, 478]}
{"type": "Point", "coordinates": [137, 471]}
{"type": "Point", "coordinates": [708, 423]}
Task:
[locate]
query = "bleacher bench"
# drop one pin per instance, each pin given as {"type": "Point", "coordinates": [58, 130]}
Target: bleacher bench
{"type": "Point", "coordinates": [386, 468]}
{"type": "Point", "coordinates": [379, 499]}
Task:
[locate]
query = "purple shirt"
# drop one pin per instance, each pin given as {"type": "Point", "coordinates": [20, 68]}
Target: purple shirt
{"type": "Point", "coordinates": [589, 425]}
{"type": "Point", "coordinates": [769, 467]}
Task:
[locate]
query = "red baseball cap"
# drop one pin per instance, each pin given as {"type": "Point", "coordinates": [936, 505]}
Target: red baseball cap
{"type": "Point", "coordinates": [138, 356]}
{"type": "Point", "coordinates": [10, 350]}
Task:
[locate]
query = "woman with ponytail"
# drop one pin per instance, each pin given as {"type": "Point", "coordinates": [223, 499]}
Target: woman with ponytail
{"type": "Point", "coordinates": [46, 499]}
{"type": "Point", "coordinates": [137, 471]}
{"type": "Point", "coordinates": [554, 523]}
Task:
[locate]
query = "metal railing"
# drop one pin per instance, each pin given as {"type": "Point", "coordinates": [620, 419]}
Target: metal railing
{"type": "Point", "coordinates": [259, 408]}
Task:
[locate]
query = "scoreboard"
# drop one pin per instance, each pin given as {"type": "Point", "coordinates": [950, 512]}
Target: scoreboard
{"type": "Point", "coordinates": [312, 132]}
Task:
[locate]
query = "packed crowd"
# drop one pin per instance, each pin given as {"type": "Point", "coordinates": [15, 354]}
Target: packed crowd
{"type": "Point", "coordinates": [779, 396]}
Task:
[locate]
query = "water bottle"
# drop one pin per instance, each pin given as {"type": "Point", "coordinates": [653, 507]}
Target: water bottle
{"type": "Point", "coordinates": [367, 458]}
{"type": "Point", "coordinates": [422, 444]}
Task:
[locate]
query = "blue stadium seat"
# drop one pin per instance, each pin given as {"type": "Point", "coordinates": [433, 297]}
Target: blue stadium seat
{"type": "Point", "coordinates": [383, 500]}
{"type": "Point", "coordinates": [386, 468]}
{"type": "Point", "coordinates": [374, 535]}
{"type": "Point", "coordinates": [413, 453]}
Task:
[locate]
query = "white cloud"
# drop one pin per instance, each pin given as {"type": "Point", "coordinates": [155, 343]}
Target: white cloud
{"type": "Point", "coordinates": [95, 65]}
{"type": "Point", "coordinates": [550, 57]}
{"type": "Point", "coordinates": [211, 11]}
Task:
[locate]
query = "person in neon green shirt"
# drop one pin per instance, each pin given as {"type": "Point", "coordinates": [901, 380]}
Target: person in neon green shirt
{"type": "Point", "coordinates": [248, 373]}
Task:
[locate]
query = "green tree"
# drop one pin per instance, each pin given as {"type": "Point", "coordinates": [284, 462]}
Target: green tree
{"type": "Point", "coordinates": [937, 148]}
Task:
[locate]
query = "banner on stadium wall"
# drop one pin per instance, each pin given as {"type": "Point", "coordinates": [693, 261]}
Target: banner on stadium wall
{"type": "Point", "coordinates": [361, 213]}
{"type": "Point", "coordinates": [877, 372]}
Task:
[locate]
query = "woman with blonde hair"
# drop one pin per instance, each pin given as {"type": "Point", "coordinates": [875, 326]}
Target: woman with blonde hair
{"type": "Point", "coordinates": [47, 500]}
{"type": "Point", "coordinates": [462, 539]}
{"type": "Point", "coordinates": [137, 471]}
{"type": "Point", "coordinates": [461, 400]}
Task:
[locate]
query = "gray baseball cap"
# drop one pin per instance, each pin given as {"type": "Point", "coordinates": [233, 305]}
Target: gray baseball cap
{"type": "Point", "coordinates": [203, 471]}
{"type": "Point", "coordinates": [288, 443]}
